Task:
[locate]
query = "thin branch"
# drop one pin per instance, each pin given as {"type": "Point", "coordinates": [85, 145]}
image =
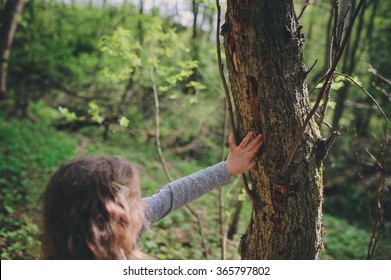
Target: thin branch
{"type": "Point", "coordinates": [326, 98]}
{"type": "Point", "coordinates": [326, 85]}
{"type": "Point", "coordinates": [227, 95]}
{"type": "Point", "coordinates": [222, 77]}
{"type": "Point", "coordinates": [223, 231]}
{"type": "Point", "coordinates": [329, 39]}
{"type": "Point", "coordinates": [374, 72]}
{"type": "Point", "coordinates": [366, 92]}
{"type": "Point", "coordinates": [350, 26]}
{"type": "Point", "coordinates": [165, 168]}
{"type": "Point", "coordinates": [313, 65]}
{"type": "Point", "coordinates": [326, 123]}
{"type": "Point", "coordinates": [335, 48]}
{"type": "Point", "coordinates": [307, 4]}
{"type": "Point", "coordinates": [383, 91]}
{"type": "Point", "coordinates": [157, 122]}
{"type": "Point", "coordinates": [336, 42]}
{"type": "Point", "coordinates": [377, 217]}
{"type": "Point", "coordinates": [320, 80]}
{"type": "Point", "coordinates": [378, 164]}
{"type": "Point", "coordinates": [352, 104]}
{"type": "Point", "coordinates": [342, 21]}
{"type": "Point", "coordinates": [200, 227]}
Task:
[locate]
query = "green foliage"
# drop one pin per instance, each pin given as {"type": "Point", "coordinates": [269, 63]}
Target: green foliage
{"type": "Point", "coordinates": [175, 237]}
{"type": "Point", "coordinates": [344, 241]}
{"type": "Point", "coordinates": [29, 152]}
{"type": "Point", "coordinates": [123, 121]}
{"type": "Point", "coordinates": [20, 243]}
{"type": "Point", "coordinates": [39, 111]}
{"type": "Point", "coordinates": [94, 111]}
{"type": "Point", "coordinates": [122, 49]}
{"type": "Point", "coordinates": [129, 52]}
{"type": "Point", "coordinates": [57, 45]}
{"type": "Point", "coordinates": [31, 146]}
{"type": "Point", "coordinates": [68, 115]}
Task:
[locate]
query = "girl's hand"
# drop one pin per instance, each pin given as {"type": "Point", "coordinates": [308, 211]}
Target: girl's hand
{"type": "Point", "coordinates": [241, 158]}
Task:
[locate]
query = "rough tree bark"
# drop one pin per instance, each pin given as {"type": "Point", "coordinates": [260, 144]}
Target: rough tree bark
{"type": "Point", "coordinates": [263, 46]}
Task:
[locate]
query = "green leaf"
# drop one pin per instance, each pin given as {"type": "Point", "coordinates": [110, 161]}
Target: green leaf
{"type": "Point", "coordinates": [332, 104]}
{"type": "Point", "coordinates": [196, 85]}
{"type": "Point", "coordinates": [123, 121]}
{"type": "Point", "coordinates": [68, 115]}
{"type": "Point", "coordinates": [9, 208]}
{"type": "Point", "coordinates": [94, 111]}
{"type": "Point", "coordinates": [337, 85]}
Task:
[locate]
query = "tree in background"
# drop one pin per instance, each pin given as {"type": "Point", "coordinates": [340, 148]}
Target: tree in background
{"type": "Point", "coordinates": [10, 12]}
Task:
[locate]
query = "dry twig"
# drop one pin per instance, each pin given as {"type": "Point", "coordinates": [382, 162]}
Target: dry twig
{"type": "Point", "coordinates": [338, 48]}
{"type": "Point", "coordinates": [187, 208]}
{"type": "Point", "coordinates": [366, 92]}
{"type": "Point", "coordinates": [377, 216]}
{"type": "Point", "coordinates": [306, 5]}
{"type": "Point", "coordinates": [376, 73]}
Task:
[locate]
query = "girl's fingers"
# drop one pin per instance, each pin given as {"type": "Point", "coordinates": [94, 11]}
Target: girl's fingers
{"type": "Point", "coordinates": [253, 144]}
{"type": "Point", "coordinates": [257, 146]}
{"type": "Point", "coordinates": [244, 142]}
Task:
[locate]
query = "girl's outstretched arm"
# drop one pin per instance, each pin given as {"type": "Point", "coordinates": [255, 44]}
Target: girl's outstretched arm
{"type": "Point", "coordinates": [183, 191]}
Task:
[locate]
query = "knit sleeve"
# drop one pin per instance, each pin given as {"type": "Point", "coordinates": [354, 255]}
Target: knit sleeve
{"type": "Point", "coordinates": [183, 191]}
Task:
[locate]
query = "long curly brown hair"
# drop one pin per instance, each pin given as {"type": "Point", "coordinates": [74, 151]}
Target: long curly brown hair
{"type": "Point", "coordinates": [86, 214]}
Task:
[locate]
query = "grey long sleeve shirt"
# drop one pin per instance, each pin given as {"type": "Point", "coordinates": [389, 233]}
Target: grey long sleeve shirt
{"type": "Point", "coordinates": [183, 191]}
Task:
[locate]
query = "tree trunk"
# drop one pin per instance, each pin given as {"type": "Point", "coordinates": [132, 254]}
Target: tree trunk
{"type": "Point", "coordinates": [263, 46]}
{"type": "Point", "coordinates": [9, 22]}
{"type": "Point", "coordinates": [195, 49]}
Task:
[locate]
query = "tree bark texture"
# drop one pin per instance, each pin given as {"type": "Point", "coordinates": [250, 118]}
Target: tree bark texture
{"type": "Point", "coordinates": [263, 46]}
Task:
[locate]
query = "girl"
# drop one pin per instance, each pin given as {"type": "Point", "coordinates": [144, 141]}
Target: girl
{"type": "Point", "coordinates": [93, 207]}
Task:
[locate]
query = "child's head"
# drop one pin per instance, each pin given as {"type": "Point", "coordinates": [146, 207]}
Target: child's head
{"type": "Point", "coordinates": [93, 210]}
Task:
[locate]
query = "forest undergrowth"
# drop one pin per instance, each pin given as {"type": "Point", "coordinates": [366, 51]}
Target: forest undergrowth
{"type": "Point", "coordinates": [31, 150]}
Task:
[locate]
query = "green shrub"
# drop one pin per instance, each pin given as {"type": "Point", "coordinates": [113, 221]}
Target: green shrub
{"type": "Point", "coordinates": [344, 241]}
{"type": "Point", "coordinates": [29, 153]}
